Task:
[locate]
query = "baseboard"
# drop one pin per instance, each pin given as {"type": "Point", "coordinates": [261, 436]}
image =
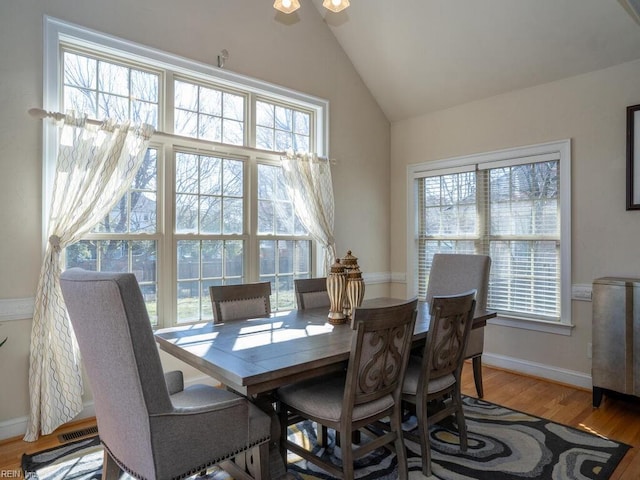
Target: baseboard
{"type": "Point", "coordinates": [548, 372]}
{"type": "Point", "coordinates": [17, 427]}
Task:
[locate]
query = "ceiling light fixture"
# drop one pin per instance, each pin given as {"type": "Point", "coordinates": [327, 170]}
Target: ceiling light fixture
{"type": "Point", "coordinates": [335, 5]}
{"type": "Point", "coordinates": [286, 6]}
{"type": "Point", "coordinates": [290, 6]}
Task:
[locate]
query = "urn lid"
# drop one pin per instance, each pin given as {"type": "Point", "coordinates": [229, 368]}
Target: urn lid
{"type": "Point", "coordinates": [350, 261]}
{"type": "Point", "coordinates": [337, 267]}
{"type": "Point", "coordinates": [354, 273]}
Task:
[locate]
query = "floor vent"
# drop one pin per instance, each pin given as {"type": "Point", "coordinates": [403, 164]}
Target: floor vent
{"type": "Point", "coordinates": [76, 434]}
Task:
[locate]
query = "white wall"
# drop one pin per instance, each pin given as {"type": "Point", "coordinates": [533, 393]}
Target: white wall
{"type": "Point", "coordinates": [303, 55]}
{"type": "Point", "coordinates": [589, 110]}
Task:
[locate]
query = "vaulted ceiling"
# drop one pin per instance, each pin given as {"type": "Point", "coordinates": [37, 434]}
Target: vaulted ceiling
{"type": "Point", "coordinates": [418, 56]}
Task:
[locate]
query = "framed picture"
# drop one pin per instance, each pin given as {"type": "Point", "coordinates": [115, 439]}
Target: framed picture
{"type": "Point", "coordinates": [633, 157]}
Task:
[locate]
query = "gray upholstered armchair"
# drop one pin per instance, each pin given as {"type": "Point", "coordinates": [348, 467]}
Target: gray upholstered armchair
{"type": "Point", "coordinates": [150, 426]}
{"type": "Point", "coordinates": [452, 274]}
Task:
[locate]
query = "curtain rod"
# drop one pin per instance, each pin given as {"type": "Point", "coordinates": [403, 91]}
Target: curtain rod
{"type": "Point", "coordinates": [41, 113]}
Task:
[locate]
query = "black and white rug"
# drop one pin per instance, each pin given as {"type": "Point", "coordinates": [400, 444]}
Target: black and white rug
{"type": "Point", "coordinates": [503, 445]}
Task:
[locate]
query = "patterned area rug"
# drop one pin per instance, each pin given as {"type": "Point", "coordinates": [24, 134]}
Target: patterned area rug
{"type": "Point", "coordinates": [503, 444]}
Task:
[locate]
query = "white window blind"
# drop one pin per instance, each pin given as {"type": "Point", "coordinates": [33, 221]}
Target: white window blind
{"type": "Point", "coordinates": [508, 209]}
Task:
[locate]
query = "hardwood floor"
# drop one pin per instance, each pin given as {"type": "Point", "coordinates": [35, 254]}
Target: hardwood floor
{"type": "Point", "coordinates": [617, 418]}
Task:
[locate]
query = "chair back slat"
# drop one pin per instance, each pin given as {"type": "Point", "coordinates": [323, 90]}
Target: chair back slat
{"type": "Point", "coordinates": [240, 302]}
{"type": "Point", "coordinates": [379, 352]}
{"type": "Point", "coordinates": [451, 319]}
{"type": "Point", "coordinates": [311, 293]}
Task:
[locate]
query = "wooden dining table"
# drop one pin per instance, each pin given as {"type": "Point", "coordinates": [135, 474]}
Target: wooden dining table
{"type": "Point", "coordinates": [254, 357]}
{"type": "Point", "coordinates": [259, 355]}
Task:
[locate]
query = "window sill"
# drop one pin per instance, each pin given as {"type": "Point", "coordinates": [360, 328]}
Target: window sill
{"type": "Point", "coordinates": [555, 328]}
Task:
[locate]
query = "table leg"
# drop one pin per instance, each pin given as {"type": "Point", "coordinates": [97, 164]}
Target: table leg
{"type": "Point", "coordinates": [277, 466]}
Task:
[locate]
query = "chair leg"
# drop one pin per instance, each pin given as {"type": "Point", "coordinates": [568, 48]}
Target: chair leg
{"type": "Point", "coordinates": [282, 417]}
{"type": "Point", "coordinates": [347, 456]}
{"type": "Point", "coordinates": [462, 424]}
{"type": "Point", "coordinates": [401, 453]}
{"type": "Point", "coordinates": [110, 469]}
{"type": "Point", "coordinates": [423, 432]}
{"type": "Point", "coordinates": [258, 462]}
{"type": "Point", "coordinates": [477, 375]}
{"type": "Point", "coordinates": [322, 436]}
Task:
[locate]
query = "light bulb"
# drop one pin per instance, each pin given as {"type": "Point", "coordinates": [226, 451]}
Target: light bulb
{"type": "Point", "coordinates": [335, 5]}
{"type": "Point", "coordinates": [286, 6]}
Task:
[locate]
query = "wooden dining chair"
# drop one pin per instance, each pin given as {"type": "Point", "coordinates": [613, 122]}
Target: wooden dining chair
{"type": "Point", "coordinates": [435, 375]}
{"type": "Point", "coordinates": [311, 293]}
{"type": "Point", "coordinates": [240, 302]}
{"type": "Point", "coordinates": [149, 424]}
{"type": "Point", "coordinates": [366, 393]}
{"type": "Point", "coordinates": [454, 273]}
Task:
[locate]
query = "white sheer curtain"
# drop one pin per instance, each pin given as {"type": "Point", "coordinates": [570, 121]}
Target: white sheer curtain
{"type": "Point", "coordinates": [95, 167]}
{"type": "Point", "coordinates": [309, 184]}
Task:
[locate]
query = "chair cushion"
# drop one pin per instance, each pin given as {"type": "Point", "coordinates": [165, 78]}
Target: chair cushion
{"type": "Point", "coordinates": [199, 395]}
{"type": "Point", "coordinates": [259, 424]}
{"type": "Point", "coordinates": [243, 309]}
{"type": "Point", "coordinates": [412, 375]}
{"type": "Point", "coordinates": [316, 299]}
{"type": "Point", "coordinates": [322, 398]}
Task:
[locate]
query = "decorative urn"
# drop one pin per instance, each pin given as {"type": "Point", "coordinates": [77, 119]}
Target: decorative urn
{"type": "Point", "coordinates": [336, 289]}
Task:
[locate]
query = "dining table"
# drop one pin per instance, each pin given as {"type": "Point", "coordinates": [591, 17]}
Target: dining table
{"type": "Point", "coordinates": [256, 356]}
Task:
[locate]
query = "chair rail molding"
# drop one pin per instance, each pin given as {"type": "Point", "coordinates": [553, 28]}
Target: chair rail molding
{"type": "Point", "coordinates": [376, 277]}
{"type": "Point", "coordinates": [16, 308]}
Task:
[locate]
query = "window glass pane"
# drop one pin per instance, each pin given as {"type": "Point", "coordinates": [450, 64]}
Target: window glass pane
{"type": "Point", "coordinates": [210, 101]}
{"type": "Point", "coordinates": [233, 178]}
{"type": "Point", "coordinates": [113, 79]}
{"type": "Point", "coordinates": [450, 205]}
{"type": "Point", "coordinates": [81, 101]}
{"type": "Point", "coordinates": [301, 123]}
{"type": "Point", "coordinates": [186, 96]}
{"type": "Point", "coordinates": [210, 214]}
{"type": "Point", "coordinates": [265, 114]}
{"type": "Point", "coordinates": [144, 112]}
{"type": "Point", "coordinates": [264, 138]}
{"type": "Point", "coordinates": [185, 123]}
{"type": "Point", "coordinates": [233, 106]}
{"type": "Point", "coordinates": [234, 259]}
{"type": "Point", "coordinates": [208, 113]}
{"type": "Point", "coordinates": [114, 107]}
{"type": "Point", "coordinates": [202, 208]}
{"type": "Point", "coordinates": [232, 132]}
{"type": "Point", "coordinates": [103, 89]}
{"type": "Point", "coordinates": [281, 128]}
{"type": "Point", "coordinates": [232, 220]}
{"type": "Point", "coordinates": [210, 128]}
{"type": "Point", "coordinates": [276, 212]}
{"type": "Point", "coordinates": [144, 86]}
{"type": "Point", "coordinates": [525, 200]}
{"type": "Point", "coordinates": [212, 255]}
{"type": "Point", "coordinates": [80, 71]}
{"type": "Point", "coordinates": [281, 262]}
{"type": "Point", "coordinates": [136, 212]}
{"type": "Point", "coordinates": [133, 256]}
{"type": "Point", "coordinates": [188, 301]}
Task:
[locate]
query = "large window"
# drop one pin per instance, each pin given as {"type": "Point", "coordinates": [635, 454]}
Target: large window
{"type": "Point", "coordinates": [511, 205]}
{"type": "Point", "coordinates": [209, 205]}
